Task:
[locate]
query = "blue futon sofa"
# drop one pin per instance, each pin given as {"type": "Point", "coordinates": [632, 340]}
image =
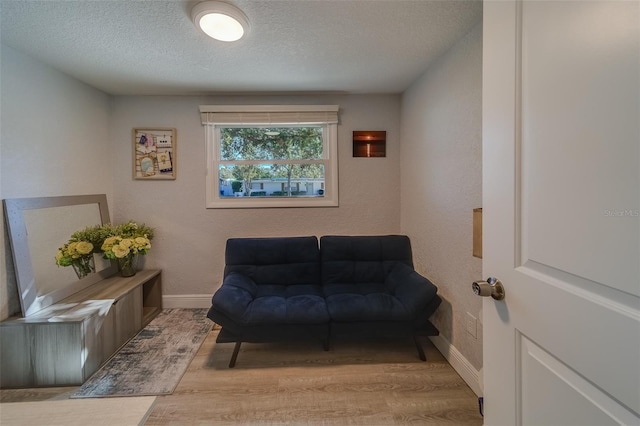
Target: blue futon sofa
{"type": "Point", "coordinates": [286, 288]}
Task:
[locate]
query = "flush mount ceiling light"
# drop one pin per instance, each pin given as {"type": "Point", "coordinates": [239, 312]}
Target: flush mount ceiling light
{"type": "Point", "coordinates": [219, 20]}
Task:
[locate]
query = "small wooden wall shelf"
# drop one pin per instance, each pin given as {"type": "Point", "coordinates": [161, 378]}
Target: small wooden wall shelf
{"type": "Point", "coordinates": [477, 233]}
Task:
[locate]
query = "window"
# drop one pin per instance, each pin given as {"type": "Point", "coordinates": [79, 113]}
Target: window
{"type": "Point", "coordinates": [271, 155]}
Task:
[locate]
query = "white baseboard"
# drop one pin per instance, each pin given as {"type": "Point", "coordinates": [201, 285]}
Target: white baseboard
{"type": "Point", "coordinates": [459, 363]}
{"type": "Point", "coordinates": [189, 301]}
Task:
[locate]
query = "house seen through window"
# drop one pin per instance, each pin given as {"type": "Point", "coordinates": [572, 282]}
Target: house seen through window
{"type": "Point", "coordinates": [271, 162]}
{"type": "Point", "coordinates": [271, 156]}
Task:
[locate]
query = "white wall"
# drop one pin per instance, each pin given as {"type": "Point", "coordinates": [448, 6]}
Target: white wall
{"type": "Point", "coordinates": [442, 183]}
{"type": "Point", "coordinates": [190, 239]}
{"type": "Point", "coordinates": [54, 140]}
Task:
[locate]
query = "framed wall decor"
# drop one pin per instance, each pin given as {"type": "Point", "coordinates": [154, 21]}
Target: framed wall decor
{"type": "Point", "coordinates": [154, 153]}
{"type": "Point", "coordinates": [369, 143]}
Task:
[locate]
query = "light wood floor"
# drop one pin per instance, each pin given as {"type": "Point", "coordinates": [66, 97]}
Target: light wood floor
{"type": "Point", "coordinates": [363, 383]}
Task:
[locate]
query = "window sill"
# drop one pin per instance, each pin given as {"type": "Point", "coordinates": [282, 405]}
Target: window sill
{"type": "Point", "coordinates": [266, 202]}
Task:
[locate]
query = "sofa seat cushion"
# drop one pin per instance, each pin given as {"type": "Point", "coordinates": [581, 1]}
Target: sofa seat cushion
{"type": "Point", "coordinates": [243, 301]}
{"type": "Point", "coordinates": [403, 296]}
{"type": "Point", "coordinates": [364, 302]}
{"type": "Point", "coordinates": [291, 304]}
{"type": "Point", "coordinates": [371, 278]}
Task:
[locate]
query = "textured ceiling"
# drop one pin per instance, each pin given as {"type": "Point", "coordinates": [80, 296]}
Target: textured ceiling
{"type": "Point", "coordinates": [151, 47]}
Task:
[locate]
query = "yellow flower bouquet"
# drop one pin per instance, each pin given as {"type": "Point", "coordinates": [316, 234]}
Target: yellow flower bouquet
{"type": "Point", "coordinates": [78, 251]}
{"type": "Point", "coordinates": [122, 243]}
{"type": "Point", "coordinates": [125, 243]}
{"type": "Point", "coordinates": [78, 254]}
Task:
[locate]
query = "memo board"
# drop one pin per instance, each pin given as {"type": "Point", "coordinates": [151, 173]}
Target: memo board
{"type": "Point", "coordinates": [154, 153]}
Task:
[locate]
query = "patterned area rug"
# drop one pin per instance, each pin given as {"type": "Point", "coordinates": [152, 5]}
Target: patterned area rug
{"type": "Point", "coordinates": [153, 362]}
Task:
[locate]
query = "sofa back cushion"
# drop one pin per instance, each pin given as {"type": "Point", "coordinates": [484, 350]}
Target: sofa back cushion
{"type": "Point", "coordinates": [279, 261]}
{"type": "Point", "coordinates": [365, 260]}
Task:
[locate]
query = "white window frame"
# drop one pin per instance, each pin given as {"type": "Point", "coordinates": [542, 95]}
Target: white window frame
{"type": "Point", "coordinates": [215, 117]}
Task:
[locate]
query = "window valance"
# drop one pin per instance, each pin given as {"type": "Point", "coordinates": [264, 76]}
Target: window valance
{"type": "Point", "coordinates": [269, 114]}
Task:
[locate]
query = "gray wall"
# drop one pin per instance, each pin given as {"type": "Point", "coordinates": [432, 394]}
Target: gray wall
{"type": "Point", "coordinates": [54, 140]}
{"type": "Point", "coordinates": [442, 184]}
{"type": "Point", "coordinates": [190, 239]}
{"type": "Point", "coordinates": [60, 137]}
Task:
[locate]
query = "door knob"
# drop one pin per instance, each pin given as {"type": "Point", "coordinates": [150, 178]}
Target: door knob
{"type": "Point", "coordinates": [491, 287]}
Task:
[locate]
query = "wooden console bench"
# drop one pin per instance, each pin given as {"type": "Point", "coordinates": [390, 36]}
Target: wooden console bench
{"type": "Point", "coordinates": [65, 343]}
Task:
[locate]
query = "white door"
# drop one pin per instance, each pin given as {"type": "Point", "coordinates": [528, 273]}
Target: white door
{"type": "Point", "coordinates": [561, 161]}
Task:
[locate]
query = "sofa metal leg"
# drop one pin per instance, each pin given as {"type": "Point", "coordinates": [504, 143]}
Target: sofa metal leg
{"type": "Point", "coordinates": [419, 348]}
{"type": "Point", "coordinates": [236, 349]}
{"type": "Point", "coordinates": [325, 344]}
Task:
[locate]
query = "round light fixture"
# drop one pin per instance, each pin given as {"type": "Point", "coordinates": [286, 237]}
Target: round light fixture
{"type": "Point", "coordinates": [219, 20]}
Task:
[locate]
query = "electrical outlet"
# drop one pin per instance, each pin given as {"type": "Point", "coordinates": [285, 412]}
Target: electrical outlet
{"type": "Point", "coordinates": [472, 325]}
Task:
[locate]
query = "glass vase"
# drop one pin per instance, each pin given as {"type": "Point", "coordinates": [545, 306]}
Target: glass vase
{"type": "Point", "coordinates": [84, 266]}
{"type": "Point", "coordinates": [128, 265]}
